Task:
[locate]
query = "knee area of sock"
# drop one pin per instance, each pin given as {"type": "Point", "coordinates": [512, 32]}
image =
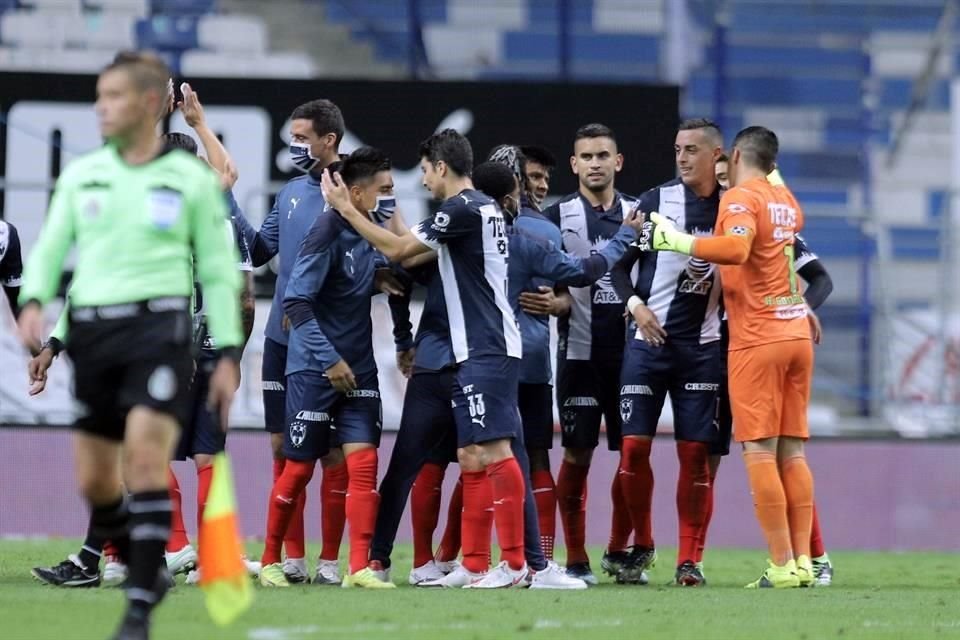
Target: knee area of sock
{"type": "Point", "coordinates": [694, 454]}
{"type": "Point", "coordinates": [362, 468]}
{"type": "Point", "coordinates": [300, 471]}
{"type": "Point", "coordinates": [635, 451]}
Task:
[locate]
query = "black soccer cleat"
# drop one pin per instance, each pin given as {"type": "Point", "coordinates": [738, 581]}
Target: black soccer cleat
{"type": "Point", "coordinates": [635, 571]}
{"type": "Point", "coordinates": [69, 573]}
{"type": "Point", "coordinates": [582, 571]}
{"type": "Point", "coordinates": [689, 575]}
{"type": "Point", "coordinates": [614, 561]}
{"type": "Point", "coordinates": [134, 626]}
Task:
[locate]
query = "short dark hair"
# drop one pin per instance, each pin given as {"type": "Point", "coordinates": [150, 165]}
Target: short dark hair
{"type": "Point", "coordinates": [147, 70]}
{"type": "Point", "coordinates": [594, 130]}
{"type": "Point", "coordinates": [175, 140]}
{"type": "Point", "coordinates": [363, 164]}
{"type": "Point", "coordinates": [758, 146]}
{"type": "Point", "coordinates": [538, 154]}
{"type": "Point", "coordinates": [711, 128]}
{"type": "Point", "coordinates": [722, 158]}
{"type": "Point", "coordinates": [494, 179]}
{"type": "Point", "coordinates": [451, 147]}
{"type": "Point", "coordinates": [324, 114]}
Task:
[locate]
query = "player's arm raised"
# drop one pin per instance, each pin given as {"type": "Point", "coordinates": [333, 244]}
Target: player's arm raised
{"type": "Point", "coordinates": [736, 229]}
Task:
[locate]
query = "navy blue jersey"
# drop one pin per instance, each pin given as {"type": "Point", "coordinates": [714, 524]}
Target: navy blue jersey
{"type": "Point", "coordinates": [595, 328]}
{"type": "Point", "coordinates": [433, 349]}
{"type": "Point", "coordinates": [469, 236]}
{"type": "Point", "coordinates": [683, 292]}
{"type": "Point", "coordinates": [328, 299]}
{"type": "Point", "coordinates": [234, 227]}
{"type": "Point", "coordinates": [802, 254]}
{"type": "Point", "coordinates": [11, 261]}
{"type": "Point", "coordinates": [295, 208]}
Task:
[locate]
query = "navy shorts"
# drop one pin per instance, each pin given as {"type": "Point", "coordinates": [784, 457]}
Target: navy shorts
{"type": "Point", "coordinates": [315, 409]}
{"type": "Point", "coordinates": [724, 415]}
{"type": "Point", "coordinates": [484, 398]}
{"type": "Point", "coordinates": [586, 392]}
{"type": "Point", "coordinates": [274, 381]}
{"type": "Point", "coordinates": [201, 434]}
{"type": "Point", "coordinates": [690, 372]}
{"type": "Point", "coordinates": [536, 414]}
{"type": "Point", "coordinates": [428, 414]}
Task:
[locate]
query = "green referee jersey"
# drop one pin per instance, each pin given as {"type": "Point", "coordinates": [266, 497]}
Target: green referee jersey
{"type": "Point", "coordinates": [139, 232]}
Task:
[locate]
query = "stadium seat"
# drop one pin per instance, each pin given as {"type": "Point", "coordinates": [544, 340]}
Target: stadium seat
{"type": "Point", "coordinates": [138, 8]}
{"type": "Point", "coordinates": [33, 29]}
{"type": "Point", "coordinates": [452, 47]}
{"type": "Point", "coordinates": [498, 15]}
{"type": "Point", "coordinates": [219, 65]}
{"type": "Point", "coordinates": [66, 6]}
{"type": "Point", "coordinates": [53, 60]}
{"type": "Point", "coordinates": [640, 16]}
{"type": "Point", "coordinates": [103, 31]}
{"type": "Point", "coordinates": [182, 7]}
{"type": "Point", "coordinates": [239, 33]}
{"type": "Point", "coordinates": [177, 34]}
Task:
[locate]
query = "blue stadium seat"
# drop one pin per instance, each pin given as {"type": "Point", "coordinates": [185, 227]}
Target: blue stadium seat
{"type": "Point", "coordinates": [793, 57]}
{"type": "Point", "coordinates": [182, 7]}
{"type": "Point", "coordinates": [821, 165]}
{"type": "Point", "coordinates": [780, 90]}
{"type": "Point", "coordinates": [167, 34]}
{"type": "Point", "coordinates": [625, 48]}
{"type": "Point", "coordinates": [836, 238]}
{"type": "Point", "coordinates": [895, 94]}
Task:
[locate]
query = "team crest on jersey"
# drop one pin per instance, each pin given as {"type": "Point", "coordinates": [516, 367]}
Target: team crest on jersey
{"type": "Point", "coordinates": [626, 409]}
{"type": "Point", "coordinates": [163, 207]}
{"type": "Point", "coordinates": [298, 433]}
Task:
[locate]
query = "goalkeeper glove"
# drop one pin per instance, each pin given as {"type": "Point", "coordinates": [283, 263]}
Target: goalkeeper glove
{"type": "Point", "coordinates": [663, 236]}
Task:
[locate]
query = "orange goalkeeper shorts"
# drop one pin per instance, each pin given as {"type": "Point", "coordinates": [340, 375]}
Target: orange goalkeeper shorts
{"type": "Point", "coordinates": [770, 390]}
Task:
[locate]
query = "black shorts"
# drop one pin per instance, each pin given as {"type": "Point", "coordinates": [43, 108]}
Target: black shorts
{"type": "Point", "coordinates": [120, 363]}
{"type": "Point", "coordinates": [484, 398]}
{"type": "Point", "coordinates": [536, 414]}
{"type": "Point", "coordinates": [586, 392]}
{"type": "Point", "coordinates": [201, 434]}
{"type": "Point", "coordinates": [428, 414]}
{"type": "Point", "coordinates": [690, 372]}
{"type": "Point", "coordinates": [274, 383]}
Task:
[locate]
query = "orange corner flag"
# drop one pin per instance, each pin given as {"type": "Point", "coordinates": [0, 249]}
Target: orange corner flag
{"type": "Point", "coordinates": [223, 577]}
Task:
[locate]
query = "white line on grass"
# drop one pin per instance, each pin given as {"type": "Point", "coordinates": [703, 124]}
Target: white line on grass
{"type": "Point", "coordinates": [296, 633]}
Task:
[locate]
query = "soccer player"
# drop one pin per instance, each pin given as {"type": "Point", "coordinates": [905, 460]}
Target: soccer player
{"type": "Point", "coordinates": [469, 235]}
{"type": "Point", "coordinates": [316, 129]}
{"type": "Point", "coordinates": [591, 342]}
{"type": "Point", "coordinates": [770, 358]}
{"type": "Point", "coordinates": [11, 264]}
{"type": "Point", "coordinates": [538, 163]}
{"type": "Point", "coordinates": [722, 169]}
{"type": "Point", "coordinates": [675, 311]}
{"type": "Point", "coordinates": [331, 373]}
{"type": "Point", "coordinates": [137, 214]}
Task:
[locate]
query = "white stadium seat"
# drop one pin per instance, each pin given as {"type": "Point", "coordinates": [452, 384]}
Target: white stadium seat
{"type": "Point", "coordinates": [238, 33]}
{"type": "Point", "coordinates": [33, 29]}
{"type": "Point", "coordinates": [138, 8]}
{"type": "Point", "coordinates": [103, 31]}
{"type": "Point", "coordinates": [222, 65]}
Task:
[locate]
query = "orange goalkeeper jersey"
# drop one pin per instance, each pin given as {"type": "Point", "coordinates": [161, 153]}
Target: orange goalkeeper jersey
{"type": "Point", "coordinates": [762, 296]}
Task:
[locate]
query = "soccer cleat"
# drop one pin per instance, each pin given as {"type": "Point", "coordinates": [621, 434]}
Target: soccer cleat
{"type": "Point", "coordinates": [614, 561]}
{"type": "Point", "coordinates": [114, 572]}
{"type": "Point", "coordinates": [272, 576]}
{"type": "Point", "coordinates": [805, 571]}
{"type": "Point", "coordinates": [193, 576]}
{"type": "Point", "coordinates": [446, 566]}
{"type": "Point", "coordinates": [775, 577]}
{"type": "Point", "coordinates": [689, 575]}
{"type": "Point", "coordinates": [365, 579]}
{"type": "Point", "coordinates": [252, 566]}
{"type": "Point", "coordinates": [328, 573]}
{"type": "Point", "coordinates": [823, 571]}
{"type": "Point", "coordinates": [581, 571]}
{"type": "Point", "coordinates": [181, 561]}
{"type": "Point", "coordinates": [501, 577]}
{"type": "Point", "coordinates": [635, 572]}
{"type": "Point", "coordinates": [69, 573]}
{"type": "Point", "coordinates": [134, 626]}
{"type": "Point", "coordinates": [429, 571]}
{"type": "Point", "coordinates": [554, 577]}
{"type": "Point", "coordinates": [459, 577]}
{"type": "Point", "coordinates": [295, 569]}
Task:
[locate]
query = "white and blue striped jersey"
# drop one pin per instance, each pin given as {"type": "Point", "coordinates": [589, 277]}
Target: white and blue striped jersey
{"type": "Point", "coordinates": [469, 236]}
{"type": "Point", "coordinates": [594, 329]}
{"type": "Point", "coordinates": [11, 260]}
{"type": "Point", "coordinates": [683, 292]}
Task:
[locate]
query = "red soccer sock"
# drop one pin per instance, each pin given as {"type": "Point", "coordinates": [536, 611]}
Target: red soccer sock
{"type": "Point", "coordinates": [636, 482]}
{"type": "Point", "coordinates": [476, 520]}
{"type": "Point", "coordinates": [702, 543]}
{"type": "Point", "coordinates": [450, 543]}
{"type": "Point", "coordinates": [178, 530]}
{"type": "Point", "coordinates": [294, 538]}
{"type": "Point", "coordinates": [333, 509]}
{"type": "Point", "coordinates": [693, 493]}
{"type": "Point", "coordinates": [109, 550]}
{"type": "Point", "coordinates": [572, 501]}
{"type": "Point", "coordinates": [816, 538]}
{"type": "Point", "coordinates": [204, 478]}
{"type": "Point", "coordinates": [283, 500]}
{"type": "Point", "coordinates": [508, 493]}
{"type": "Point", "coordinates": [545, 494]}
{"type": "Point", "coordinates": [362, 502]}
{"type": "Point", "coordinates": [621, 526]}
{"type": "Point", "coordinates": [425, 510]}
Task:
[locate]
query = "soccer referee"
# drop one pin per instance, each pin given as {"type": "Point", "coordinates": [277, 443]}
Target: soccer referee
{"type": "Point", "coordinates": [136, 215]}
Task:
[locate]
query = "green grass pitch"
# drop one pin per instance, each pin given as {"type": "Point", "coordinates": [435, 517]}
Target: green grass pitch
{"type": "Point", "coordinates": [876, 595]}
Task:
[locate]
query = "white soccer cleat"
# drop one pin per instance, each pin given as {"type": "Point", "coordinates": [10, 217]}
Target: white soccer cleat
{"type": "Point", "coordinates": [447, 566]}
{"type": "Point", "coordinates": [429, 571]}
{"type": "Point", "coordinates": [295, 569]}
{"type": "Point", "coordinates": [253, 567]}
{"type": "Point", "coordinates": [501, 577]}
{"type": "Point", "coordinates": [193, 576]}
{"type": "Point", "coordinates": [114, 571]}
{"type": "Point", "coordinates": [456, 579]}
{"type": "Point", "coordinates": [555, 577]}
{"type": "Point", "coordinates": [328, 573]}
{"type": "Point", "coordinates": [181, 561]}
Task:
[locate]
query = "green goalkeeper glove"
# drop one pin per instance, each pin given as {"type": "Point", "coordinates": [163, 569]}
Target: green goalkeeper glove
{"type": "Point", "coordinates": [665, 237]}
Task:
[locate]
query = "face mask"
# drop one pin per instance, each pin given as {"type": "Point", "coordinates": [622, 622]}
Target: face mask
{"type": "Point", "coordinates": [386, 207]}
{"type": "Point", "coordinates": [300, 155]}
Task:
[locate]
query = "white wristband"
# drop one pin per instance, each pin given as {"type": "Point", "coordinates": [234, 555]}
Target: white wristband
{"type": "Point", "coordinates": [633, 303]}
